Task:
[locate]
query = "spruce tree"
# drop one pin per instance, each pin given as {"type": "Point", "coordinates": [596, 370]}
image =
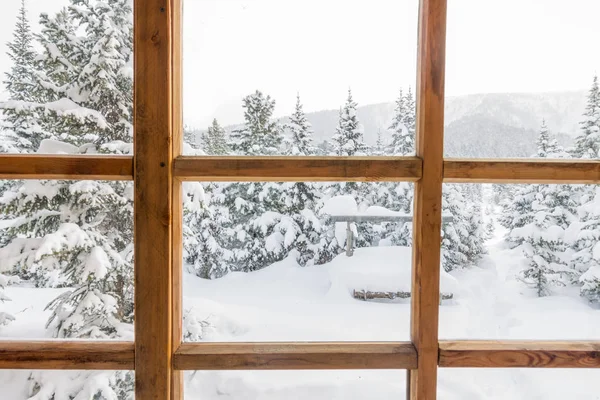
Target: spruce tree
{"type": "Point", "coordinates": [260, 136]}
{"type": "Point", "coordinates": [80, 234]}
{"type": "Point", "coordinates": [380, 148]}
{"type": "Point", "coordinates": [300, 198]}
{"type": "Point", "coordinates": [536, 218]}
{"type": "Point", "coordinates": [20, 126]}
{"type": "Point", "coordinates": [300, 131]}
{"type": "Point", "coordinates": [348, 137]}
{"type": "Point", "coordinates": [214, 141]}
{"type": "Point", "coordinates": [203, 230]}
{"type": "Point", "coordinates": [403, 126]}
{"type": "Point", "coordinates": [587, 144]}
{"type": "Point", "coordinates": [257, 233]}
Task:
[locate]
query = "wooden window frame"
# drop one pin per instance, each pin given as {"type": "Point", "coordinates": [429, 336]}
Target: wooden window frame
{"type": "Point", "coordinates": [158, 168]}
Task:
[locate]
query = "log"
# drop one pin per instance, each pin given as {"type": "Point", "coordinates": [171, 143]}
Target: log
{"type": "Point", "coordinates": [369, 295]}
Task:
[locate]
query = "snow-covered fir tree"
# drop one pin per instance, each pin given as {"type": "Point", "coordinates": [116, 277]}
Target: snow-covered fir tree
{"type": "Point", "coordinates": [214, 140]}
{"type": "Point", "coordinates": [587, 144]}
{"type": "Point", "coordinates": [203, 228]}
{"type": "Point", "coordinates": [257, 232]}
{"type": "Point", "coordinates": [79, 234]}
{"type": "Point", "coordinates": [403, 126]}
{"type": "Point", "coordinates": [348, 137]}
{"type": "Point", "coordinates": [380, 147]}
{"type": "Point", "coordinates": [20, 128]}
{"type": "Point", "coordinates": [537, 217]}
{"type": "Point", "coordinates": [455, 235]}
{"type": "Point", "coordinates": [260, 136]}
{"type": "Point", "coordinates": [300, 132]}
{"type": "Point", "coordinates": [300, 198]}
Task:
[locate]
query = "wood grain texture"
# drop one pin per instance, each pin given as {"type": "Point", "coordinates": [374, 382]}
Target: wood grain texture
{"type": "Point", "coordinates": [521, 171]}
{"type": "Point", "coordinates": [422, 382]}
{"type": "Point", "coordinates": [177, 199]}
{"type": "Point", "coordinates": [520, 354]}
{"type": "Point", "coordinates": [295, 355]}
{"type": "Point", "coordinates": [55, 166]}
{"type": "Point", "coordinates": [279, 169]}
{"type": "Point", "coordinates": [152, 208]}
{"type": "Point", "coordinates": [106, 355]}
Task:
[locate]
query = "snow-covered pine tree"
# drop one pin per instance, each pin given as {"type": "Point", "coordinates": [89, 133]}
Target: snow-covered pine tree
{"type": "Point", "coordinates": [202, 231]}
{"type": "Point", "coordinates": [260, 136]}
{"type": "Point", "coordinates": [455, 234]}
{"type": "Point", "coordinates": [410, 120]}
{"type": "Point", "coordinates": [587, 144]}
{"type": "Point", "coordinates": [403, 126]}
{"type": "Point", "coordinates": [380, 147]}
{"type": "Point", "coordinates": [537, 218]}
{"type": "Point", "coordinates": [300, 198]}
{"type": "Point", "coordinates": [214, 141]}
{"type": "Point", "coordinates": [398, 196]}
{"type": "Point", "coordinates": [20, 128]}
{"type": "Point", "coordinates": [585, 260]}
{"type": "Point", "coordinates": [258, 233]}
{"type": "Point", "coordinates": [349, 132]}
{"type": "Point", "coordinates": [348, 141]}
{"type": "Point", "coordinates": [80, 233]}
{"type": "Point", "coordinates": [300, 132]}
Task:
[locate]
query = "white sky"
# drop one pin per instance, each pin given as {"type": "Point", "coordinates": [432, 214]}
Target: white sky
{"type": "Point", "coordinates": [322, 47]}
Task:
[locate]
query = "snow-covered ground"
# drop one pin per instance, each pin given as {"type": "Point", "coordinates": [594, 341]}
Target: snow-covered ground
{"type": "Point", "coordinates": [287, 302]}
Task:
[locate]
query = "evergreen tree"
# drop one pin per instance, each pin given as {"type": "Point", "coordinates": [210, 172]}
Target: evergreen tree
{"type": "Point", "coordinates": [260, 136]}
{"type": "Point", "coordinates": [300, 198]}
{"type": "Point", "coordinates": [20, 126]}
{"type": "Point", "coordinates": [537, 217]}
{"type": "Point", "coordinates": [403, 126]}
{"type": "Point", "coordinates": [349, 132]}
{"type": "Point", "coordinates": [257, 233]}
{"type": "Point", "coordinates": [214, 141]}
{"type": "Point", "coordinates": [585, 261]}
{"type": "Point", "coordinates": [203, 228]}
{"type": "Point", "coordinates": [301, 132]}
{"type": "Point", "coordinates": [587, 144]}
{"type": "Point", "coordinates": [380, 148]}
{"type": "Point", "coordinates": [80, 234]}
{"type": "Point", "coordinates": [547, 146]}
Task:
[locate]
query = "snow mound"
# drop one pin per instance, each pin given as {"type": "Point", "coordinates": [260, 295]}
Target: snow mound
{"type": "Point", "coordinates": [380, 269]}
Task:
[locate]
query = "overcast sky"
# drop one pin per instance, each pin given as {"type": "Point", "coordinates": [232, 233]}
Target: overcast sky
{"type": "Point", "coordinates": [322, 47]}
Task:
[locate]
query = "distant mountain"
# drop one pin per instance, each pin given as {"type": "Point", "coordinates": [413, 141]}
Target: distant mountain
{"type": "Point", "coordinates": [479, 125]}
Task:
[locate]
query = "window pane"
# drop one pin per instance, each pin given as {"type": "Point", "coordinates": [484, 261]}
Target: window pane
{"type": "Point", "coordinates": [284, 385]}
{"type": "Point", "coordinates": [300, 77]}
{"type": "Point", "coordinates": [528, 268]}
{"type": "Point", "coordinates": [67, 77]}
{"type": "Point", "coordinates": [271, 261]}
{"type": "Point", "coordinates": [517, 384]}
{"type": "Point", "coordinates": [38, 384]}
{"type": "Point", "coordinates": [503, 84]}
{"type": "Point", "coordinates": [66, 260]}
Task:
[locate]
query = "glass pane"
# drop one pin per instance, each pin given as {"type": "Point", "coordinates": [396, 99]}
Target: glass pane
{"type": "Point", "coordinates": [301, 385]}
{"type": "Point", "coordinates": [517, 384]}
{"type": "Point", "coordinates": [297, 261]}
{"type": "Point", "coordinates": [289, 77]}
{"type": "Point", "coordinates": [66, 260]}
{"type": "Point", "coordinates": [67, 76]}
{"type": "Point", "coordinates": [503, 84]}
{"type": "Point", "coordinates": [528, 269]}
{"type": "Point", "coordinates": [38, 384]}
